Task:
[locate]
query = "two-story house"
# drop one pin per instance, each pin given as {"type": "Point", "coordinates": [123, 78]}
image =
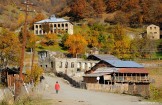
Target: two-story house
{"type": "Point", "coordinates": [56, 25]}
{"type": "Point", "coordinates": [153, 31]}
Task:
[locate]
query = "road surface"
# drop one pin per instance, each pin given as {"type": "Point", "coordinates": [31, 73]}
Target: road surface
{"type": "Point", "coordinates": [69, 95]}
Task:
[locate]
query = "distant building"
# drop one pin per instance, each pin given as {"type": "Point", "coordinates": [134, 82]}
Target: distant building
{"type": "Point", "coordinates": [56, 25]}
{"type": "Point", "coordinates": [153, 31]}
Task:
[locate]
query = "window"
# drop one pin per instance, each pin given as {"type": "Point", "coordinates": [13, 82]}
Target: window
{"type": "Point", "coordinates": [51, 64]}
{"type": "Point", "coordinates": [58, 25]}
{"type": "Point", "coordinates": [40, 32]}
{"type": "Point", "coordinates": [54, 25]}
{"type": "Point", "coordinates": [154, 27]}
{"type": "Point", "coordinates": [36, 31]}
{"type": "Point", "coordinates": [155, 32]}
{"type": "Point", "coordinates": [66, 25]}
{"type": "Point", "coordinates": [150, 28]}
{"type": "Point", "coordinates": [51, 31]}
{"type": "Point", "coordinates": [46, 66]}
{"type": "Point", "coordinates": [36, 26]}
{"type": "Point", "coordinates": [72, 64]}
{"type": "Point", "coordinates": [60, 65]}
{"type": "Point", "coordinates": [62, 25]}
{"type": "Point", "coordinates": [66, 65]}
{"type": "Point", "coordinates": [40, 26]}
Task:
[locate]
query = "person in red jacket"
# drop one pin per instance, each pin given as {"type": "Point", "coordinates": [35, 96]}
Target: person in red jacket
{"type": "Point", "coordinates": [57, 87]}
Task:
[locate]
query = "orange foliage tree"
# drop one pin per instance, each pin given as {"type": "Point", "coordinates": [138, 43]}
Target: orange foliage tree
{"type": "Point", "coordinates": [76, 44]}
{"type": "Point", "coordinates": [81, 9]}
{"type": "Point", "coordinates": [9, 48]}
{"type": "Point", "coordinates": [50, 39]}
{"type": "Point", "coordinates": [98, 6]}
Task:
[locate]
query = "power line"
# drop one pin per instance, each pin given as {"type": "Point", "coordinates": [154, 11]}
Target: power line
{"type": "Point", "coordinates": [18, 83]}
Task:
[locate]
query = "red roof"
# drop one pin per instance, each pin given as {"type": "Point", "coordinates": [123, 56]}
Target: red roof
{"type": "Point", "coordinates": [133, 70]}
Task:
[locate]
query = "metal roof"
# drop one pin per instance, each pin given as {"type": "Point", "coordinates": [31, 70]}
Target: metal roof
{"type": "Point", "coordinates": [133, 70]}
{"type": "Point", "coordinates": [52, 19]}
{"type": "Point", "coordinates": [120, 63]}
{"type": "Point", "coordinates": [103, 57]}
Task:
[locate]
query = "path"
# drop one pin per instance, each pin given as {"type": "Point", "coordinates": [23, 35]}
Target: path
{"type": "Point", "coordinates": [73, 96]}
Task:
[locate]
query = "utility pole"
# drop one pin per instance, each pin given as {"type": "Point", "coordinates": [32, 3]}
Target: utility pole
{"type": "Point", "coordinates": [19, 79]}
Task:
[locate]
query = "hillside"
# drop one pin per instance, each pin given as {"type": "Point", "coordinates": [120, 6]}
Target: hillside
{"type": "Point", "coordinates": [132, 13]}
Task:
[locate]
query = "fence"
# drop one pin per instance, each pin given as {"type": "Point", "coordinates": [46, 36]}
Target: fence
{"type": "Point", "coordinates": [133, 89]}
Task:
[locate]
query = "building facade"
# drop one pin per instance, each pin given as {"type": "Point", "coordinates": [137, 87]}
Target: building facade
{"type": "Point", "coordinates": [153, 31]}
{"type": "Point", "coordinates": [56, 25]}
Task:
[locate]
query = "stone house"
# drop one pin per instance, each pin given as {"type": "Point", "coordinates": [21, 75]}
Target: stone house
{"type": "Point", "coordinates": [56, 25]}
{"type": "Point", "coordinates": [153, 31]}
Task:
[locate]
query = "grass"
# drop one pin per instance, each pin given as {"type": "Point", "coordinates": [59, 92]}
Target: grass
{"type": "Point", "coordinates": [27, 100]}
{"type": "Point", "coordinates": [50, 48]}
{"type": "Point", "coordinates": [156, 88]}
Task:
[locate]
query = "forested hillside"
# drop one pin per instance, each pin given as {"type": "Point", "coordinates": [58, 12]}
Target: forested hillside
{"type": "Point", "coordinates": [132, 13]}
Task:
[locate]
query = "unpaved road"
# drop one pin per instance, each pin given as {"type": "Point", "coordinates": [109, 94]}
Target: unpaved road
{"type": "Point", "coordinates": [69, 95]}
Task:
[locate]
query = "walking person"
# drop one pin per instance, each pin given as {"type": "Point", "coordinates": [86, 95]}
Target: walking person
{"type": "Point", "coordinates": [57, 87]}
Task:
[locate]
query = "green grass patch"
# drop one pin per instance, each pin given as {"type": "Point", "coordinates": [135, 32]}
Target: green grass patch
{"type": "Point", "coordinates": [50, 48]}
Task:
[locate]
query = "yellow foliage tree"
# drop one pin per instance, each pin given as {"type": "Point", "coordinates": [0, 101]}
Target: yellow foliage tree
{"type": "Point", "coordinates": [76, 44]}
{"type": "Point", "coordinates": [50, 39]}
{"type": "Point", "coordinates": [21, 19]}
{"type": "Point", "coordinates": [9, 48]}
{"type": "Point", "coordinates": [34, 74]}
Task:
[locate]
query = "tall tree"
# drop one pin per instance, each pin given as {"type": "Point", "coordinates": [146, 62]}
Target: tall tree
{"type": "Point", "coordinates": [9, 48]}
{"type": "Point", "coordinates": [76, 44]}
{"type": "Point", "coordinates": [122, 43]}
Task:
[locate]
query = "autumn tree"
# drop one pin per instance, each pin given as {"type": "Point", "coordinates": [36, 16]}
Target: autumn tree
{"type": "Point", "coordinates": [46, 27]}
{"type": "Point", "coordinates": [21, 19]}
{"type": "Point", "coordinates": [81, 9]}
{"type": "Point", "coordinates": [9, 48]}
{"type": "Point", "coordinates": [50, 39]}
{"type": "Point", "coordinates": [143, 47]}
{"type": "Point", "coordinates": [31, 43]}
{"type": "Point", "coordinates": [122, 43]}
{"type": "Point", "coordinates": [112, 5]}
{"type": "Point", "coordinates": [98, 6]}
{"type": "Point", "coordinates": [34, 74]}
{"type": "Point", "coordinates": [76, 44]}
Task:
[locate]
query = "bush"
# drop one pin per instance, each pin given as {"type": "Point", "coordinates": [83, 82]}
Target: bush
{"type": "Point", "coordinates": [155, 93]}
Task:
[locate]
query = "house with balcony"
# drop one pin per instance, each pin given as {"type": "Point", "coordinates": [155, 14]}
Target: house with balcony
{"type": "Point", "coordinates": [55, 25]}
{"type": "Point", "coordinates": [118, 76]}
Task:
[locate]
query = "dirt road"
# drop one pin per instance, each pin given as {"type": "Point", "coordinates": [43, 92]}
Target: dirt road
{"type": "Point", "coordinates": [69, 95]}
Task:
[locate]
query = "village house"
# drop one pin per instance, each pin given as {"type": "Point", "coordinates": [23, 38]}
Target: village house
{"type": "Point", "coordinates": [153, 31]}
{"type": "Point", "coordinates": [130, 75]}
{"type": "Point", "coordinates": [56, 25]}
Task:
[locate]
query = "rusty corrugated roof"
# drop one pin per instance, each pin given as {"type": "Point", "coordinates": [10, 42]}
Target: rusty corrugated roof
{"type": "Point", "coordinates": [133, 70]}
